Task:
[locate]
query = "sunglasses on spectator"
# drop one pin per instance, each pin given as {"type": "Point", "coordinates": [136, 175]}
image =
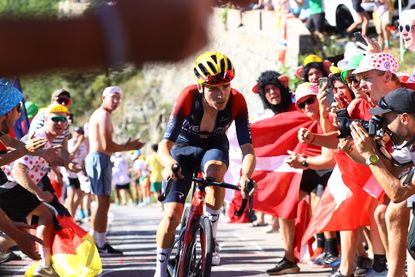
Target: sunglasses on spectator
{"type": "Point", "coordinates": [57, 119]}
{"type": "Point", "coordinates": [406, 27]}
{"type": "Point", "coordinates": [19, 107]}
{"type": "Point", "coordinates": [309, 101]}
{"type": "Point", "coordinates": [352, 79]}
{"type": "Point", "coordinates": [63, 101]}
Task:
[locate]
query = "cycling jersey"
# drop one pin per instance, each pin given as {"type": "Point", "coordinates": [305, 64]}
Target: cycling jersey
{"type": "Point", "coordinates": [185, 119]}
{"type": "Point", "coordinates": [193, 152]}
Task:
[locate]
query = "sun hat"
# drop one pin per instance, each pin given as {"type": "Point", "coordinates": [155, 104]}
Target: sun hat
{"type": "Point", "coordinates": [31, 109]}
{"type": "Point", "coordinates": [56, 108]}
{"type": "Point", "coordinates": [305, 89]}
{"type": "Point", "coordinates": [10, 96]}
{"type": "Point", "coordinates": [352, 64]}
{"type": "Point", "coordinates": [380, 61]}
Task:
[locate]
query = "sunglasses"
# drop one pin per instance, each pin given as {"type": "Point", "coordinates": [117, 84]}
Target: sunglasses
{"type": "Point", "coordinates": [63, 101]}
{"type": "Point", "coordinates": [219, 78]}
{"type": "Point", "coordinates": [19, 107]}
{"type": "Point", "coordinates": [309, 101]}
{"type": "Point", "coordinates": [57, 119]}
{"type": "Point", "coordinates": [406, 28]}
{"type": "Point", "coordinates": [352, 79]}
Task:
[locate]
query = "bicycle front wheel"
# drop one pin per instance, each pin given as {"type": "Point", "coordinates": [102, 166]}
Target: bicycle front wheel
{"type": "Point", "coordinates": [198, 260]}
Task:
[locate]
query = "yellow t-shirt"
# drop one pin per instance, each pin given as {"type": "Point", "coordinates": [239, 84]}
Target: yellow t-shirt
{"type": "Point", "coordinates": [155, 166]}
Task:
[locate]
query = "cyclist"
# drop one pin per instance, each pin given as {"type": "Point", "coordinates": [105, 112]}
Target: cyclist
{"type": "Point", "coordinates": [195, 139]}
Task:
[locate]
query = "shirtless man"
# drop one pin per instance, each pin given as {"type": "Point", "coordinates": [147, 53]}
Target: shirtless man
{"type": "Point", "coordinates": [98, 165]}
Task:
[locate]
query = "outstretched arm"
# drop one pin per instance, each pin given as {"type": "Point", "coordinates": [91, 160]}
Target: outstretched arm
{"type": "Point", "coordinates": [248, 166]}
{"type": "Point", "coordinates": [25, 241]}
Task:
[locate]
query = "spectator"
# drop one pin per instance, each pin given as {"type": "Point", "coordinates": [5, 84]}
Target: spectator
{"type": "Point", "coordinates": [156, 168]}
{"type": "Point", "coordinates": [78, 151]}
{"type": "Point", "coordinates": [363, 18]}
{"type": "Point", "coordinates": [98, 165]}
{"type": "Point", "coordinates": [28, 171]}
{"type": "Point", "coordinates": [314, 68]}
{"type": "Point", "coordinates": [120, 175]}
{"type": "Point", "coordinates": [382, 21]}
{"type": "Point", "coordinates": [141, 170]}
{"type": "Point", "coordinates": [316, 19]}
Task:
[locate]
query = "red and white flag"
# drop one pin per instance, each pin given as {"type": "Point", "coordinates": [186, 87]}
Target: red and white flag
{"type": "Point", "coordinates": [344, 205]}
{"type": "Point", "coordinates": [277, 183]}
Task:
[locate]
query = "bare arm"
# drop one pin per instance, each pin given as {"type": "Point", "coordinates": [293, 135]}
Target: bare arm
{"type": "Point", "coordinates": [19, 148]}
{"type": "Point", "coordinates": [74, 149]}
{"type": "Point", "coordinates": [105, 135]}
{"type": "Point", "coordinates": [383, 170]}
{"type": "Point", "coordinates": [248, 166]}
{"type": "Point", "coordinates": [21, 174]}
{"type": "Point", "coordinates": [23, 239]}
{"type": "Point", "coordinates": [166, 158]}
{"type": "Point", "coordinates": [329, 140]}
{"type": "Point", "coordinates": [323, 161]}
{"type": "Point", "coordinates": [48, 38]}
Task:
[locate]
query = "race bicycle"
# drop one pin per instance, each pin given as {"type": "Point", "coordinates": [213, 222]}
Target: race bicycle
{"type": "Point", "coordinates": [193, 247]}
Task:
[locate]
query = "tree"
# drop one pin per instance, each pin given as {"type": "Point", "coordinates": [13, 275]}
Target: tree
{"type": "Point", "coordinates": [35, 8]}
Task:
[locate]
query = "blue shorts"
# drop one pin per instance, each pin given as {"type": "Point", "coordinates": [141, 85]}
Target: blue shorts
{"type": "Point", "coordinates": [99, 170]}
{"type": "Point", "coordinates": [192, 159]}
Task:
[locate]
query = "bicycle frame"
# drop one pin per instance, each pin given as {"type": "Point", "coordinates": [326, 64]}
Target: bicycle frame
{"type": "Point", "coordinates": [196, 211]}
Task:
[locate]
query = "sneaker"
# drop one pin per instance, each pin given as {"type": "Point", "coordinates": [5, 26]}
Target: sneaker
{"type": "Point", "coordinates": [339, 274]}
{"type": "Point", "coordinates": [41, 271]}
{"type": "Point", "coordinates": [284, 267]}
{"type": "Point", "coordinates": [319, 261]}
{"type": "Point", "coordinates": [215, 254]}
{"type": "Point", "coordinates": [107, 249]}
{"type": "Point", "coordinates": [331, 260]}
{"type": "Point", "coordinates": [373, 273]}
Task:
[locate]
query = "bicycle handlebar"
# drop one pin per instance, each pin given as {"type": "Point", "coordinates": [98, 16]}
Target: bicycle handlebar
{"type": "Point", "coordinates": [209, 181]}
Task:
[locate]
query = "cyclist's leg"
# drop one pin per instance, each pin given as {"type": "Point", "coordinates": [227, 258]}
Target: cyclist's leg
{"type": "Point", "coordinates": [173, 209]}
{"type": "Point", "coordinates": [174, 204]}
{"type": "Point", "coordinates": [215, 164]}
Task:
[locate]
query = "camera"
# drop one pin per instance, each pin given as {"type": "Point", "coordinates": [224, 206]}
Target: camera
{"type": "Point", "coordinates": [374, 126]}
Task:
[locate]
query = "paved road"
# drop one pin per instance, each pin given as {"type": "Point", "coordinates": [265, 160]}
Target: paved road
{"type": "Point", "coordinates": [246, 251]}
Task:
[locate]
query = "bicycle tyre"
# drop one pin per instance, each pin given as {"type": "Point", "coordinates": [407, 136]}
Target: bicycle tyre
{"type": "Point", "coordinates": [172, 269]}
{"type": "Point", "coordinates": [197, 261]}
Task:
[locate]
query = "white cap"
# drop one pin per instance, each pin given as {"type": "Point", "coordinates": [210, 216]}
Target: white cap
{"type": "Point", "coordinates": [111, 90]}
{"type": "Point", "coordinates": [407, 16]}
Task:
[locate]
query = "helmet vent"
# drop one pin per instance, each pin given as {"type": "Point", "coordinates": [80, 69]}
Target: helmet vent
{"type": "Point", "coordinates": [212, 67]}
{"type": "Point", "coordinates": [222, 65]}
{"type": "Point", "coordinates": [203, 69]}
{"type": "Point", "coordinates": [230, 66]}
{"type": "Point", "coordinates": [214, 58]}
{"type": "Point", "coordinates": [196, 73]}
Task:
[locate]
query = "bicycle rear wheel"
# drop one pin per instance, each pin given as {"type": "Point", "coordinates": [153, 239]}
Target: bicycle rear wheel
{"type": "Point", "coordinates": [198, 260]}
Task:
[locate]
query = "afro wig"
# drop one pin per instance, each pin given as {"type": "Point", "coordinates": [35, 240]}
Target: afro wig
{"type": "Point", "coordinates": [271, 77]}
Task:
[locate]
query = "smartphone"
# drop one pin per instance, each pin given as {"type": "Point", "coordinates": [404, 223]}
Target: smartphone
{"type": "Point", "coordinates": [359, 38]}
{"type": "Point", "coordinates": [329, 91]}
{"type": "Point", "coordinates": [322, 81]}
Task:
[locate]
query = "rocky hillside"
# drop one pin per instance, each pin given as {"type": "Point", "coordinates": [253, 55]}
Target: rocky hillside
{"type": "Point", "coordinates": [250, 49]}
